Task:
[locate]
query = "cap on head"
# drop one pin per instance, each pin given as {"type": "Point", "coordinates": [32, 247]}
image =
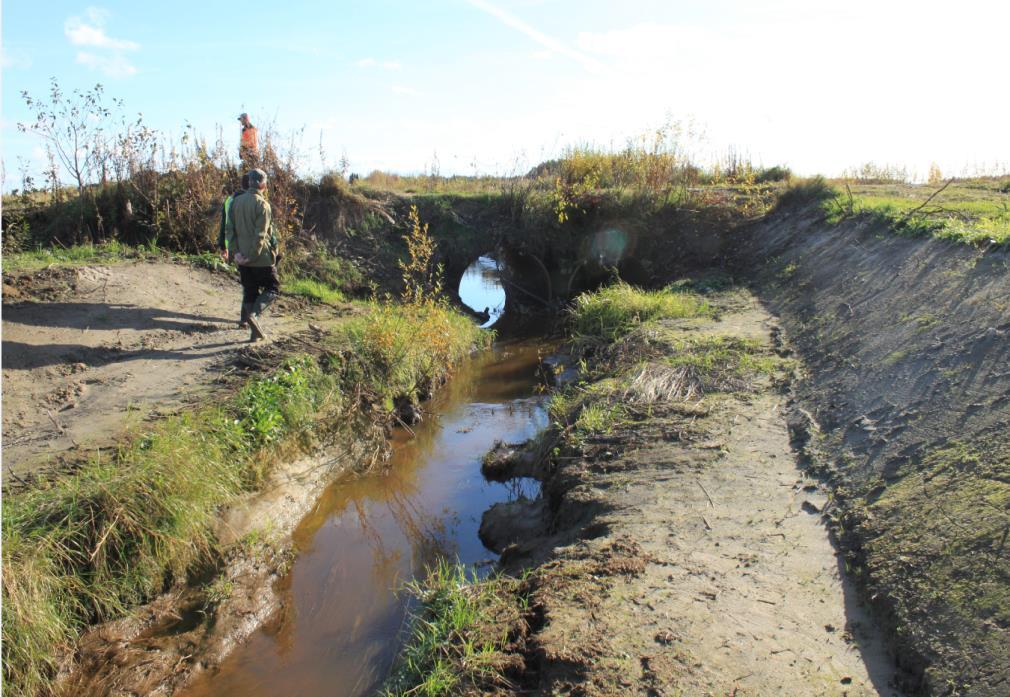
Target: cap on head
{"type": "Point", "coordinates": [257, 178]}
{"type": "Point", "coordinates": [243, 116]}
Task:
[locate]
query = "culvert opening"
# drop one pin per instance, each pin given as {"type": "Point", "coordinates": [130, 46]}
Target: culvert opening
{"type": "Point", "coordinates": [482, 291]}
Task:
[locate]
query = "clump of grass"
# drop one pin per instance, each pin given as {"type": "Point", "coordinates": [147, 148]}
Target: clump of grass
{"type": "Point", "coordinates": [460, 635]}
{"type": "Point", "coordinates": [314, 290]}
{"type": "Point", "coordinates": [598, 417]}
{"type": "Point", "coordinates": [401, 350]}
{"type": "Point", "coordinates": [699, 366]}
{"type": "Point", "coordinates": [815, 189]}
{"type": "Point", "coordinates": [614, 311]}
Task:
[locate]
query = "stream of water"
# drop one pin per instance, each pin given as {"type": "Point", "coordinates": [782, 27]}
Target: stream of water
{"type": "Point", "coordinates": [343, 617]}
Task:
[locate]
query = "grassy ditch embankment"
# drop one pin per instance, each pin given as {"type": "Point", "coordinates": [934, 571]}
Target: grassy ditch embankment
{"type": "Point", "coordinates": [968, 211]}
{"type": "Point", "coordinates": [668, 450]}
{"type": "Point", "coordinates": [906, 412]}
{"type": "Point", "coordinates": [86, 547]}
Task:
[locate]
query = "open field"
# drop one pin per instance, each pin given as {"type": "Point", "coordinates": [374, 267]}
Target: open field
{"type": "Point", "coordinates": [973, 211]}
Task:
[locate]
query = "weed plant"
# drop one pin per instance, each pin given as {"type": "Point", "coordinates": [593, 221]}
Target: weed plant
{"type": "Point", "coordinates": [314, 290]}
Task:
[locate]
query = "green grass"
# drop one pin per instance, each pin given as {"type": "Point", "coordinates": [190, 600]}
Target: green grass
{"type": "Point", "coordinates": [78, 255]}
{"type": "Point", "coordinates": [937, 550]}
{"type": "Point", "coordinates": [969, 212]}
{"type": "Point", "coordinates": [401, 349]}
{"type": "Point", "coordinates": [715, 356]}
{"type": "Point", "coordinates": [314, 290]}
{"type": "Point", "coordinates": [599, 417]}
{"type": "Point", "coordinates": [458, 634]}
{"type": "Point", "coordinates": [616, 310]}
{"type": "Point", "coordinates": [89, 546]}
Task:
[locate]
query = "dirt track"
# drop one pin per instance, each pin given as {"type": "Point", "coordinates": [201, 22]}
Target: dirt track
{"type": "Point", "coordinates": [89, 352]}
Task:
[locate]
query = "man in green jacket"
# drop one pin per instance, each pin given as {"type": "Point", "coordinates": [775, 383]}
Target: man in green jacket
{"type": "Point", "coordinates": [252, 246]}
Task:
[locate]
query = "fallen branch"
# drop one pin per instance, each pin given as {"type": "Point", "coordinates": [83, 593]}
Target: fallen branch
{"type": "Point", "coordinates": [933, 195]}
{"type": "Point", "coordinates": [710, 502]}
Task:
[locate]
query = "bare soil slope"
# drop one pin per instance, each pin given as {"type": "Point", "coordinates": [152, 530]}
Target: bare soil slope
{"type": "Point", "coordinates": [907, 342]}
{"type": "Point", "coordinates": [90, 351]}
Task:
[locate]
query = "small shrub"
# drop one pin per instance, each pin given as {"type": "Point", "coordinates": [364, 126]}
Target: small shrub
{"type": "Point", "coordinates": [806, 191]}
{"type": "Point", "coordinates": [778, 173]}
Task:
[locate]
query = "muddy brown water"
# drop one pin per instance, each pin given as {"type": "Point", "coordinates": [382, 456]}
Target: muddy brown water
{"type": "Point", "coordinates": [345, 612]}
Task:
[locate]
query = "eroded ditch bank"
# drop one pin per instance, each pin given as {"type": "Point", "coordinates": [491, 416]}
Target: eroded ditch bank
{"type": "Point", "coordinates": [321, 609]}
{"type": "Point", "coordinates": [142, 522]}
{"type": "Point", "coordinates": [681, 543]}
{"type": "Point", "coordinates": [906, 411]}
{"type": "Point", "coordinates": [342, 610]}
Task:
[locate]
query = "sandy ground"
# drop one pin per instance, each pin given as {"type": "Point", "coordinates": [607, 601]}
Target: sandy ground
{"type": "Point", "coordinates": [90, 352]}
{"type": "Point", "coordinates": [686, 555]}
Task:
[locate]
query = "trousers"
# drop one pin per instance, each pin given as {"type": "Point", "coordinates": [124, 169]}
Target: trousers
{"type": "Point", "coordinates": [260, 286]}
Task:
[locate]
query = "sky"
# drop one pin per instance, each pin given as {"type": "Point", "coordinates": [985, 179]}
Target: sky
{"type": "Point", "coordinates": [495, 86]}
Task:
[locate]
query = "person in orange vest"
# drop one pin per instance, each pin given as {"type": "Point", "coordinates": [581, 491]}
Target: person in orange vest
{"type": "Point", "coordinates": [248, 149]}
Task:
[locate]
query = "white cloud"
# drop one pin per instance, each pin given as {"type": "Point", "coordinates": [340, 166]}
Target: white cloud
{"type": "Point", "coordinates": [91, 32]}
{"type": "Point", "coordinates": [115, 65]}
{"type": "Point", "coordinates": [105, 53]}
{"type": "Point", "coordinates": [409, 91]}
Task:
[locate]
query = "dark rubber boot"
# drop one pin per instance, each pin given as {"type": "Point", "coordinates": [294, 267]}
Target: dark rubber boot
{"type": "Point", "coordinates": [243, 321]}
{"type": "Point", "coordinates": [263, 302]}
{"type": "Point", "coordinates": [257, 332]}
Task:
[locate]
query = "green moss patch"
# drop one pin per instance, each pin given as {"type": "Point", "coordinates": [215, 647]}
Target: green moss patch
{"type": "Point", "coordinates": [938, 550]}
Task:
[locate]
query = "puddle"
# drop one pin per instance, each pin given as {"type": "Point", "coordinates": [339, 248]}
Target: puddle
{"type": "Point", "coordinates": [342, 621]}
{"type": "Point", "coordinates": [481, 289]}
